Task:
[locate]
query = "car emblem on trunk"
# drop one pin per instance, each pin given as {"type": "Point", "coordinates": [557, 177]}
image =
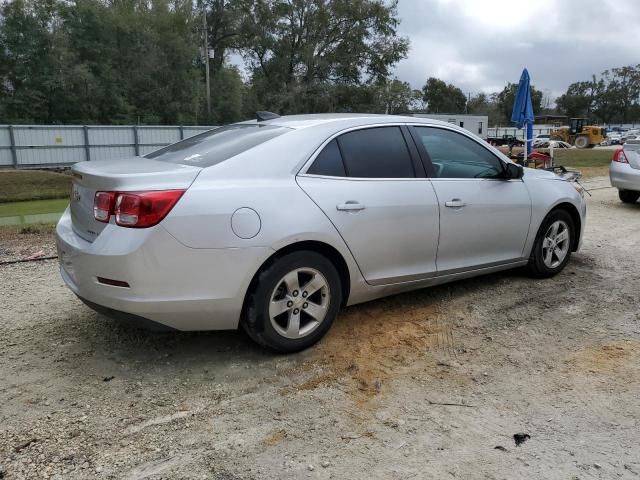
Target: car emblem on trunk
{"type": "Point", "coordinates": [75, 194]}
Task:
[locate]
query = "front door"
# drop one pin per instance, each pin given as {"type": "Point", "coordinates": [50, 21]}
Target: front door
{"type": "Point", "coordinates": [366, 182]}
{"type": "Point", "coordinates": [484, 220]}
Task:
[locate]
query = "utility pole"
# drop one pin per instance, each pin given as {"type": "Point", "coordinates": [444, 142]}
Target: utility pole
{"type": "Point", "coordinates": [205, 46]}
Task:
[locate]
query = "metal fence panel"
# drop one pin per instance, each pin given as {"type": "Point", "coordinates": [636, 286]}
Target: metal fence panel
{"type": "Point", "coordinates": [46, 136]}
{"type": "Point", "coordinates": [158, 135]}
{"type": "Point", "coordinates": [6, 159]}
{"type": "Point", "coordinates": [5, 140]}
{"type": "Point", "coordinates": [110, 135]}
{"type": "Point", "coordinates": [50, 157]}
{"type": "Point", "coordinates": [42, 146]}
{"type": "Point", "coordinates": [108, 153]}
{"type": "Point", "coordinates": [144, 149]}
{"type": "Point", "coordinates": [191, 131]}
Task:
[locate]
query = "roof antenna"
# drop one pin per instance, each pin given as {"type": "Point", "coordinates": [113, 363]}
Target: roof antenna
{"type": "Point", "coordinates": [264, 116]}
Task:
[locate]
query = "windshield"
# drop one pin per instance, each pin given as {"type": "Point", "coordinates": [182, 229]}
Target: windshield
{"type": "Point", "coordinates": [217, 145]}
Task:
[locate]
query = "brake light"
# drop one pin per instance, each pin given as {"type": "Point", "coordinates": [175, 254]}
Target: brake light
{"type": "Point", "coordinates": [620, 157]}
{"type": "Point", "coordinates": [135, 209]}
{"type": "Point", "coordinates": [103, 205]}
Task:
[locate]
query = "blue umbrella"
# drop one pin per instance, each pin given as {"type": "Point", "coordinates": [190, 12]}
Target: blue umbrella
{"type": "Point", "coordinates": [522, 113]}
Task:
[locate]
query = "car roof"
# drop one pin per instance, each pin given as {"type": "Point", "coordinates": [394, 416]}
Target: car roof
{"type": "Point", "coordinates": [356, 119]}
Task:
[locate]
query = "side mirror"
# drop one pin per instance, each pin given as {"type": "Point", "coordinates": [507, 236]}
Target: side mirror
{"type": "Point", "coordinates": [513, 171]}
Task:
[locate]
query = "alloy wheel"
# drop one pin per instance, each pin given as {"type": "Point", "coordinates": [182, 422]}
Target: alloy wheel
{"type": "Point", "coordinates": [299, 303]}
{"type": "Point", "coordinates": [555, 245]}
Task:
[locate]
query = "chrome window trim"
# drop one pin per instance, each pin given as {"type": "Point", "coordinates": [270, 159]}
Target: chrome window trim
{"type": "Point", "coordinates": [302, 172]}
{"type": "Point", "coordinates": [471, 137]}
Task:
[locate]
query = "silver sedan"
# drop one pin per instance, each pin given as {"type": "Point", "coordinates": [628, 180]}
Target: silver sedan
{"type": "Point", "coordinates": [277, 223]}
{"type": "Point", "coordinates": [624, 171]}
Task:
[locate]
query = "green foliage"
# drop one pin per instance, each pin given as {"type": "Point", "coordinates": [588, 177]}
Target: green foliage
{"type": "Point", "coordinates": [615, 96]}
{"type": "Point", "coordinates": [504, 101]}
{"type": "Point", "coordinates": [398, 97]}
{"type": "Point", "coordinates": [142, 61]}
{"type": "Point", "coordinates": [304, 54]}
{"type": "Point", "coordinates": [443, 98]}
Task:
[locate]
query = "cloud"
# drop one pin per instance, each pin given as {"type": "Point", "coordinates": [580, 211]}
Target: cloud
{"type": "Point", "coordinates": [480, 45]}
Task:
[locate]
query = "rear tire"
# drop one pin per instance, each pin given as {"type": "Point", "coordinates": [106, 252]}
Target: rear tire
{"type": "Point", "coordinates": [628, 196]}
{"type": "Point", "coordinates": [293, 303]}
{"type": "Point", "coordinates": [552, 247]}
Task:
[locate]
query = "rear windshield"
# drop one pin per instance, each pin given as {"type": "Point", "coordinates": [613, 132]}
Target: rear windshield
{"type": "Point", "coordinates": [217, 145]}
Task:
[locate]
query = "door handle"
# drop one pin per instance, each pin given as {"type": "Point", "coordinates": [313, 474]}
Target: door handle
{"type": "Point", "coordinates": [350, 206]}
{"type": "Point", "coordinates": [455, 203]}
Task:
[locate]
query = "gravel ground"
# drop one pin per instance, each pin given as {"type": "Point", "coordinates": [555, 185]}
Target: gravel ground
{"type": "Point", "coordinates": [431, 384]}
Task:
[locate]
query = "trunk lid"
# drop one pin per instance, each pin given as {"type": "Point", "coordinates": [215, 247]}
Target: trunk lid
{"type": "Point", "coordinates": [632, 152]}
{"type": "Point", "coordinates": [123, 175]}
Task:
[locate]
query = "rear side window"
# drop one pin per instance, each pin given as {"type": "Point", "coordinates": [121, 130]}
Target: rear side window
{"type": "Point", "coordinates": [217, 145]}
{"type": "Point", "coordinates": [328, 162]}
{"type": "Point", "coordinates": [376, 153]}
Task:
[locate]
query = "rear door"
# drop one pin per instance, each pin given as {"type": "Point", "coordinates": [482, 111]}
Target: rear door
{"type": "Point", "coordinates": [372, 187]}
{"type": "Point", "coordinates": [484, 220]}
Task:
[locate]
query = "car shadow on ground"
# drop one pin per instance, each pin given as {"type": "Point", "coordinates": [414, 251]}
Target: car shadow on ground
{"type": "Point", "coordinates": [107, 347]}
{"type": "Point", "coordinates": [124, 343]}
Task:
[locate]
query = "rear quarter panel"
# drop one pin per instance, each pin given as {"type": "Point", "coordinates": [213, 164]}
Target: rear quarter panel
{"type": "Point", "coordinates": [202, 218]}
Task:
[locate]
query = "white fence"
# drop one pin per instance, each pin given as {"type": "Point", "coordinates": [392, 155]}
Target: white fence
{"type": "Point", "coordinates": [46, 146]}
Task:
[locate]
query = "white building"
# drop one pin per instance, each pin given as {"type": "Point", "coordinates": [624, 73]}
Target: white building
{"type": "Point", "coordinates": [476, 124]}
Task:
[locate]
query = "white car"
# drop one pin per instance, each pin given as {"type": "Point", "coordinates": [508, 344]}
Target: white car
{"type": "Point", "coordinates": [275, 224]}
{"type": "Point", "coordinates": [624, 171]}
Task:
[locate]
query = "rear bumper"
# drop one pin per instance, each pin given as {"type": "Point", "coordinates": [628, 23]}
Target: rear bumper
{"type": "Point", "coordinates": [624, 177]}
{"type": "Point", "coordinates": [176, 286]}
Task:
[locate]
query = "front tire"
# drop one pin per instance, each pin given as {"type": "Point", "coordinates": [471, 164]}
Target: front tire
{"type": "Point", "coordinates": [552, 247]}
{"type": "Point", "coordinates": [294, 302]}
{"type": "Point", "coordinates": [581, 141]}
{"type": "Point", "coordinates": [628, 196]}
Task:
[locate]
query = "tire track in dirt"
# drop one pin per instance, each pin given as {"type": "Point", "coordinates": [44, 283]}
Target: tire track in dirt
{"type": "Point", "coordinates": [370, 345]}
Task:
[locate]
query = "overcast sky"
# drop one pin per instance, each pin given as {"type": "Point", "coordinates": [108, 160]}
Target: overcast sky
{"type": "Point", "coordinates": [479, 45]}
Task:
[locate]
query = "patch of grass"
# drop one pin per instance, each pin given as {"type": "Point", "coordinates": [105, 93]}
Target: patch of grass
{"type": "Point", "coordinates": [22, 185]}
{"type": "Point", "coordinates": [36, 207]}
{"type": "Point", "coordinates": [576, 158]}
{"type": "Point", "coordinates": [34, 229]}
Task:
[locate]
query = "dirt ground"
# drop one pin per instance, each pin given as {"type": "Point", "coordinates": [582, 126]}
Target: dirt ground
{"type": "Point", "coordinates": [430, 384]}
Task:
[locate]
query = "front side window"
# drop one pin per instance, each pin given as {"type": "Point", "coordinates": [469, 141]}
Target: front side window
{"type": "Point", "coordinates": [379, 152]}
{"type": "Point", "coordinates": [454, 155]}
{"type": "Point", "coordinates": [217, 145]}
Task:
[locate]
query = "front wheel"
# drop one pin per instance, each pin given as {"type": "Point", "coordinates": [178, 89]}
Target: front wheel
{"type": "Point", "coordinates": [294, 302]}
{"type": "Point", "coordinates": [552, 248]}
{"type": "Point", "coordinates": [581, 141]}
{"type": "Point", "coordinates": [628, 196]}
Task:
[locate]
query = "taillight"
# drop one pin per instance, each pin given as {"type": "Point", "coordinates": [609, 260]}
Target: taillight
{"type": "Point", "coordinates": [620, 157]}
{"type": "Point", "coordinates": [135, 209]}
{"type": "Point", "coordinates": [103, 205]}
{"type": "Point", "coordinates": [144, 209]}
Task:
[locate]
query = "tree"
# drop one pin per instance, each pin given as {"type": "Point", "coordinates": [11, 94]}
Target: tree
{"type": "Point", "coordinates": [504, 101]}
{"type": "Point", "coordinates": [578, 101]}
{"type": "Point", "coordinates": [29, 77]}
{"type": "Point", "coordinates": [613, 96]}
{"type": "Point", "coordinates": [479, 103]}
{"type": "Point", "coordinates": [397, 97]}
{"type": "Point", "coordinates": [443, 98]}
{"type": "Point", "coordinates": [299, 51]}
{"type": "Point", "coordinates": [227, 91]}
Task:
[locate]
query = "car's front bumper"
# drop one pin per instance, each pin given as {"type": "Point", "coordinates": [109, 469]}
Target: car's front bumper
{"type": "Point", "coordinates": [624, 177]}
{"type": "Point", "coordinates": [176, 286]}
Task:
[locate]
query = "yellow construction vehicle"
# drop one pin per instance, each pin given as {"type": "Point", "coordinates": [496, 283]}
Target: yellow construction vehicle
{"type": "Point", "coordinates": [579, 134]}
